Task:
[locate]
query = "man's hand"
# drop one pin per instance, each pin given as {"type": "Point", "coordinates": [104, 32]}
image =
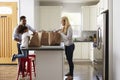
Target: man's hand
{"type": "Point", "coordinates": [34, 33]}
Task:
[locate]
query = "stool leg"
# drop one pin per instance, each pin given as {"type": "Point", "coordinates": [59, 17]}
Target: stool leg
{"type": "Point", "coordinates": [19, 69]}
{"type": "Point", "coordinates": [23, 69]}
{"type": "Point", "coordinates": [34, 68]}
{"type": "Point", "coordinates": [18, 72]}
{"type": "Point", "coordinates": [30, 69]}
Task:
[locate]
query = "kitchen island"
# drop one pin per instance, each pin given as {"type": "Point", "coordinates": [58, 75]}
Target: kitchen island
{"type": "Point", "coordinates": [49, 62]}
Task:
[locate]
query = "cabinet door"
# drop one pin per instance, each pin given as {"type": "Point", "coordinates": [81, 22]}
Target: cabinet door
{"type": "Point", "coordinates": [91, 51]}
{"type": "Point", "coordinates": [89, 18]}
{"type": "Point", "coordinates": [77, 52]}
{"type": "Point", "coordinates": [105, 4]}
{"type": "Point", "coordinates": [85, 17]}
{"type": "Point", "coordinates": [93, 18]}
{"type": "Point", "coordinates": [85, 51]}
{"type": "Point", "coordinates": [102, 6]}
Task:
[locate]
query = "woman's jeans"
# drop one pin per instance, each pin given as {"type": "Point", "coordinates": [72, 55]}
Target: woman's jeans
{"type": "Point", "coordinates": [69, 55]}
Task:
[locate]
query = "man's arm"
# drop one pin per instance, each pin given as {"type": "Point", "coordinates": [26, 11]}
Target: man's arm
{"type": "Point", "coordinates": [16, 36]}
{"type": "Point", "coordinates": [31, 29]}
{"type": "Point", "coordinates": [17, 40]}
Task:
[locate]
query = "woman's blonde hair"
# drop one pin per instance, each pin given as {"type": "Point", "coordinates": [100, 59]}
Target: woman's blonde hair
{"type": "Point", "coordinates": [67, 24]}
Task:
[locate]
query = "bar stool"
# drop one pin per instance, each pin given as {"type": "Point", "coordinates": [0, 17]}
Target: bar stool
{"type": "Point", "coordinates": [27, 66]}
{"type": "Point", "coordinates": [33, 57]}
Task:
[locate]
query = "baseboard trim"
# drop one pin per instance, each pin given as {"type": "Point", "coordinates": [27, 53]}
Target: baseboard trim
{"type": "Point", "coordinates": [80, 61]}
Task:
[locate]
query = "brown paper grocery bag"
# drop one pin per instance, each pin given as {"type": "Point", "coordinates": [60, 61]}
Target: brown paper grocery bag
{"type": "Point", "coordinates": [36, 40]}
{"type": "Point", "coordinates": [44, 38]}
{"type": "Point", "coordinates": [54, 38]}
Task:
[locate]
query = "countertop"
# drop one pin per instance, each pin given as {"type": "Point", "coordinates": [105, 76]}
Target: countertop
{"type": "Point", "coordinates": [82, 41]}
{"type": "Point", "coordinates": [61, 47]}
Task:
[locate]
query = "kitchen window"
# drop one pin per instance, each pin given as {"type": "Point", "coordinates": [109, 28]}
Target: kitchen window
{"type": "Point", "coordinates": [75, 21]}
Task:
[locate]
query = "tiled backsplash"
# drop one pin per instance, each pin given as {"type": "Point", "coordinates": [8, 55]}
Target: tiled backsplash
{"type": "Point", "coordinates": [88, 35]}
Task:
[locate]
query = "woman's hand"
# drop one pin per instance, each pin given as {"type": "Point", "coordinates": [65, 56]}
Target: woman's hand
{"type": "Point", "coordinates": [57, 30]}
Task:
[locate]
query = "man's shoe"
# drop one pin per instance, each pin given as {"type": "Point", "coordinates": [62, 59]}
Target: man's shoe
{"type": "Point", "coordinates": [14, 57]}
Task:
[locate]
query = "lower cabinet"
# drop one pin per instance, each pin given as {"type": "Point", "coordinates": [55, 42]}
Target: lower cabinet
{"type": "Point", "coordinates": [83, 51]}
{"type": "Point", "coordinates": [77, 52]}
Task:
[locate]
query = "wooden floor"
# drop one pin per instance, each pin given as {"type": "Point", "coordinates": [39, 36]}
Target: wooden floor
{"type": "Point", "coordinates": [81, 72]}
{"type": "Point", "coordinates": [8, 72]}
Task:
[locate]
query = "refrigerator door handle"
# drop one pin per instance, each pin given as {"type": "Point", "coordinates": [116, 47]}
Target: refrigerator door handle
{"type": "Point", "coordinates": [99, 38]}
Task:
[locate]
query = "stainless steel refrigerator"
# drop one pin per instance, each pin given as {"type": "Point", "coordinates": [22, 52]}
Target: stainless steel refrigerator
{"type": "Point", "coordinates": [101, 51]}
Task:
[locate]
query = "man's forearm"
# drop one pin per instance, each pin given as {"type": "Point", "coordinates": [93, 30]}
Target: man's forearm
{"type": "Point", "coordinates": [18, 40]}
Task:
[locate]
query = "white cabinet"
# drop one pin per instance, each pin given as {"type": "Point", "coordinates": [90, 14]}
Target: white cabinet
{"type": "Point", "coordinates": [102, 6]}
{"type": "Point", "coordinates": [93, 18]}
{"type": "Point", "coordinates": [105, 4]}
{"type": "Point", "coordinates": [89, 18]}
{"type": "Point", "coordinates": [83, 51]}
{"type": "Point", "coordinates": [91, 51]}
{"type": "Point", "coordinates": [85, 17]}
{"type": "Point", "coordinates": [77, 52]}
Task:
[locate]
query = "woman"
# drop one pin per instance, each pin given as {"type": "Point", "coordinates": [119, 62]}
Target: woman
{"type": "Point", "coordinates": [66, 33]}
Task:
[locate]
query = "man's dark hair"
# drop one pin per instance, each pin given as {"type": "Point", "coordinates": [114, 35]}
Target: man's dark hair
{"type": "Point", "coordinates": [22, 17]}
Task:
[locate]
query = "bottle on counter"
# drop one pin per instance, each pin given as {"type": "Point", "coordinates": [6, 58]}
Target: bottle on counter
{"type": "Point", "coordinates": [94, 41]}
{"type": "Point", "coordinates": [94, 38]}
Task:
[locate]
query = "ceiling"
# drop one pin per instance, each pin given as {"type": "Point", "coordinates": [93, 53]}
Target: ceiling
{"type": "Point", "coordinates": [70, 1]}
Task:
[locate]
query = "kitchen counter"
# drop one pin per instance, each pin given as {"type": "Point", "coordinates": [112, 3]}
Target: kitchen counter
{"type": "Point", "coordinates": [60, 47]}
{"type": "Point", "coordinates": [45, 48]}
{"type": "Point", "coordinates": [82, 41]}
{"type": "Point", "coordinates": [49, 62]}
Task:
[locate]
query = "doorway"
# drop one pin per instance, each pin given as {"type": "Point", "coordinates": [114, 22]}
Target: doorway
{"type": "Point", "coordinates": [8, 20]}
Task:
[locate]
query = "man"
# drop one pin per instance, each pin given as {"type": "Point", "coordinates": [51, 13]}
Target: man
{"type": "Point", "coordinates": [17, 37]}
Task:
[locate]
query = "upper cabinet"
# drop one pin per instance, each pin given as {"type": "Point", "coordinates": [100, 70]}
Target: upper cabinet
{"type": "Point", "coordinates": [93, 18]}
{"type": "Point", "coordinates": [89, 18]}
{"type": "Point", "coordinates": [85, 17]}
{"type": "Point", "coordinates": [102, 6]}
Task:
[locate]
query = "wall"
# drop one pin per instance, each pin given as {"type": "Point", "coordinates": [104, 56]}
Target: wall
{"type": "Point", "coordinates": [26, 8]}
{"type": "Point", "coordinates": [116, 40]}
{"type": "Point", "coordinates": [50, 17]}
{"type": "Point", "coordinates": [111, 74]}
{"type": "Point", "coordinates": [71, 7]}
{"type": "Point", "coordinates": [37, 15]}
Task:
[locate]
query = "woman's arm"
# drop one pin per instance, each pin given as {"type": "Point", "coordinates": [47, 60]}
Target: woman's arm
{"type": "Point", "coordinates": [69, 34]}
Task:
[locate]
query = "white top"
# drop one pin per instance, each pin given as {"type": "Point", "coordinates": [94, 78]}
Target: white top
{"type": "Point", "coordinates": [67, 38]}
{"type": "Point", "coordinates": [19, 36]}
{"type": "Point", "coordinates": [25, 39]}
